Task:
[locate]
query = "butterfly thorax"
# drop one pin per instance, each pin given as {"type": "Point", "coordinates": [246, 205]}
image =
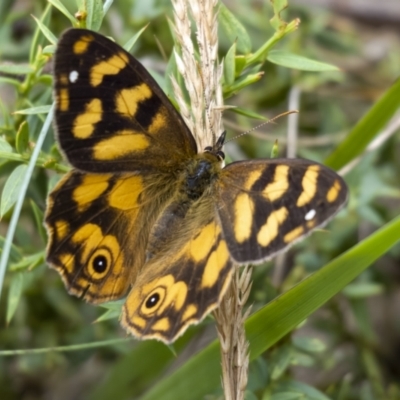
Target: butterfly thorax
{"type": "Point", "coordinates": [199, 174]}
{"type": "Point", "coordinates": [191, 202]}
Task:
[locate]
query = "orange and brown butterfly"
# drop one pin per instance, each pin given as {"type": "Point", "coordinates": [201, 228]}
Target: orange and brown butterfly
{"type": "Point", "coordinates": [146, 214]}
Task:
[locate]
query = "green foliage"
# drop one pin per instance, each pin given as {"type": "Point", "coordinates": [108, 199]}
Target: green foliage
{"type": "Point", "coordinates": [266, 51]}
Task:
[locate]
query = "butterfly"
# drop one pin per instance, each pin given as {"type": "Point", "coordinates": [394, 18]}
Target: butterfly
{"type": "Point", "coordinates": [144, 214]}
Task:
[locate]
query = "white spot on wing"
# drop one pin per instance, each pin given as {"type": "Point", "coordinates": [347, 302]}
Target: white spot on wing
{"type": "Point", "coordinates": [310, 215]}
{"type": "Point", "coordinates": [73, 76]}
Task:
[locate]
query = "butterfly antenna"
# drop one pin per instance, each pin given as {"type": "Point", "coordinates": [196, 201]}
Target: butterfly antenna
{"type": "Point", "coordinates": [273, 119]}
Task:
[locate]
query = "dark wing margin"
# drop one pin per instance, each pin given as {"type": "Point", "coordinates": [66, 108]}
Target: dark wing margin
{"type": "Point", "coordinates": [266, 205]}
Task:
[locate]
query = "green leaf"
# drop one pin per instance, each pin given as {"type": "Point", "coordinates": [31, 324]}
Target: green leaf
{"type": "Point", "coordinates": [265, 327]}
{"type": "Point", "coordinates": [240, 64]}
{"type": "Point", "coordinates": [367, 128]}
{"type": "Point", "coordinates": [282, 361]}
{"type": "Point", "coordinates": [311, 345]}
{"type": "Point", "coordinates": [361, 290]}
{"type": "Point", "coordinates": [28, 262]}
{"type": "Point", "coordinates": [107, 5]}
{"type": "Point", "coordinates": [60, 7]}
{"type": "Point", "coordinates": [248, 113]}
{"type": "Point", "coordinates": [38, 215]}
{"type": "Point", "coordinates": [241, 83]}
{"type": "Point", "coordinates": [94, 13]}
{"type": "Point", "coordinates": [113, 310]}
{"type": "Point", "coordinates": [10, 81]}
{"type": "Point", "coordinates": [22, 139]}
{"type": "Point", "coordinates": [46, 31]}
{"type": "Point", "coordinates": [34, 110]}
{"type": "Point", "coordinates": [7, 247]}
{"type": "Point", "coordinates": [290, 60]}
{"type": "Point", "coordinates": [14, 295]}
{"type": "Point", "coordinates": [130, 43]}
{"type": "Point", "coordinates": [38, 40]}
{"type": "Point", "coordinates": [275, 150]}
{"type": "Point", "coordinates": [5, 146]}
{"type": "Point", "coordinates": [11, 189]}
{"type": "Point", "coordinates": [235, 31]}
{"type": "Point", "coordinates": [16, 69]}
{"type": "Point", "coordinates": [15, 253]}
{"type": "Point", "coordinates": [229, 65]}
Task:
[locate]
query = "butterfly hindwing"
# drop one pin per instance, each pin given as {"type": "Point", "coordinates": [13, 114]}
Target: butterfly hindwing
{"type": "Point", "coordinates": [179, 287]}
{"type": "Point", "coordinates": [111, 115]}
{"type": "Point", "coordinates": [267, 205]}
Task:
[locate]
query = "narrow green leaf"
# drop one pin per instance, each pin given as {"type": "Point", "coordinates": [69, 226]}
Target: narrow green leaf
{"type": "Point", "coordinates": [46, 31]}
{"type": "Point", "coordinates": [265, 327]}
{"type": "Point", "coordinates": [312, 345]}
{"type": "Point", "coordinates": [107, 5]}
{"type": "Point", "coordinates": [94, 16]}
{"type": "Point", "coordinates": [28, 262]}
{"type": "Point", "coordinates": [275, 149]}
{"type": "Point", "coordinates": [242, 83]}
{"type": "Point", "coordinates": [229, 65]}
{"type": "Point", "coordinates": [248, 113]}
{"type": "Point", "coordinates": [49, 50]}
{"type": "Point", "coordinates": [11, 189]}
{"type": "Point", "coordinates": [10, 81]}
{"type": "Point", "coordinates": [22, 139]}
{"type": "Point", "coordinates": [361, 290]}
{"type": "Point", "coordinates": [34, 110]}
{"type": "Point", "coordinates": [7, 247]}
{"type": "Point", "coordinates": [38, 40]}
{"type": "Point", "coordinates": [130, 43]}
{"type": "Point", "coordinates": [38, 215]}
{"type": "Point", "coordinates": [109, 314]}
{"type": "Point", "coordinates": [240, 64]}
{"type": "Point", "coordinates": [290, 60]}
{"type": "Point", "coordinates": [282, 362]}
{"type": "Point", "coordinates": [60, 7]}
{"type": "Point", "coordinates": [14, 295]}
{"type": "Point", "coordinates": [234, 29]}
{"type": "Point", "coordinates": [75, 347]}
{"type": "Point", "coordinates": [261, 53]}
{"type": "Point", "coordinates": [16, 69]}
{"type": "Point", "coordinates": [367, 128]}
{"type": "Point", "coordinates": [5, 146]}
{"type": "Point", "coordinates": [15, 253]}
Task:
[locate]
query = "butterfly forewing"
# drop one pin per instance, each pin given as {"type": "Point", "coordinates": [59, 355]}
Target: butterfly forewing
{"type": "Point", "coordinates": [110, 113]}
{"type": "Point", "coordinates": [267, 205]}
{"type": "Point", "coordinates": [98, 226]}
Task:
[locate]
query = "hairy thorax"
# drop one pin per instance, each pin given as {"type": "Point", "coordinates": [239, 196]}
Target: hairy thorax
{"type": "Point", "coordinates": [189, 207]}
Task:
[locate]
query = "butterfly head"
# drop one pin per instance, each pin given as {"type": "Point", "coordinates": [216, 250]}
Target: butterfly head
{"type": "Point", "coordinates": [216, 149]}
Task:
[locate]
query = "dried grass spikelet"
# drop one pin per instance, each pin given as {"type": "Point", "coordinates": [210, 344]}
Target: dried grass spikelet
{"type": "Point", "coordinates": [202, 77]}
